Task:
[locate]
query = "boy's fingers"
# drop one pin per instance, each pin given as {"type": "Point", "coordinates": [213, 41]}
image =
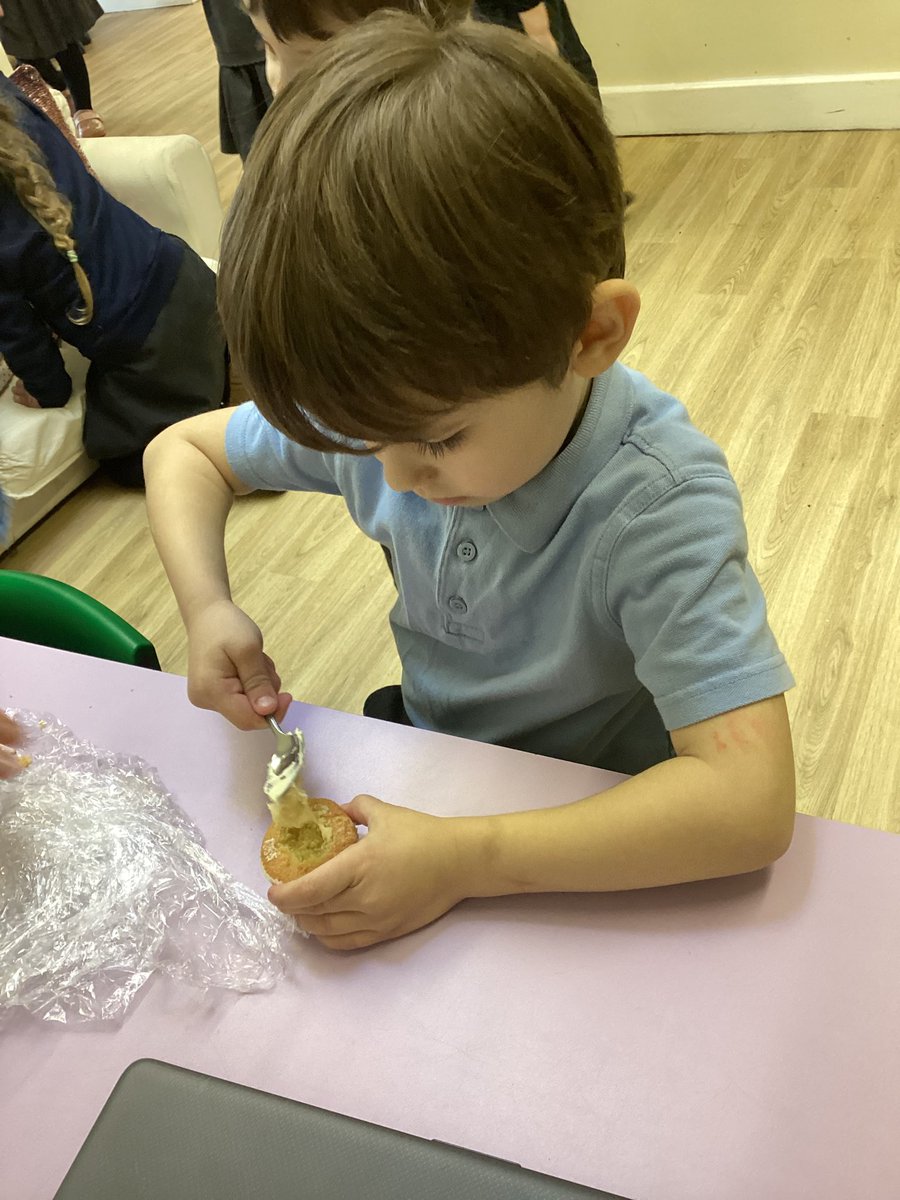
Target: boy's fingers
{"type": "Point", "coordinates": [273, 673]}
{"type": "Point", "coordinates": [284, 700]}
{"type": "Point", "coordinates": [334, 924]}
{"type": "Point", "coordinates": [362, 809]}
{"type": "Point", "coordinates": [234, 705]}
{"type": "Point", "coordinates": [354, 941]}
{"type": "Point", "coordinates": [236, 709]}
{"type": "Point", "coordinates": [321, 889]}
{"type": "Point", "coordinates": [256, 682]}
{"type": "Point", "coordinates": [223, 696]}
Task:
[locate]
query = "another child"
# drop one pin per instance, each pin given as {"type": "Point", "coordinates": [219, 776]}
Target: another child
{"type": "Point", "coordinates": [416, 281]}
{"type": "Point", "coordinates": [244, 94]}
{"type": "Point", "coordinates": [548, 23]}
{"type": "Point", "coordinates": [137, 302]}
{"type": "Point", "coordinates": [292, 29]}
{"type": "Point", "coordinates": [36, 31]}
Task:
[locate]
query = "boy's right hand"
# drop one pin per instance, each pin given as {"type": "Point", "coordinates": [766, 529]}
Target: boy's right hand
{"type": "Point", "coordinates": [227, 669]}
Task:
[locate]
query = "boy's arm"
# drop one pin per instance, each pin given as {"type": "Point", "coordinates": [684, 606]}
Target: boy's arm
{"type": "Point", "coordinates": [190, 490]}
{"type": "Point", "coordinates": [724, 806]}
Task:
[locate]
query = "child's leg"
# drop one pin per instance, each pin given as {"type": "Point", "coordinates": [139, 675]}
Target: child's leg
{"type": "Point", "coordinates": [72, 65]}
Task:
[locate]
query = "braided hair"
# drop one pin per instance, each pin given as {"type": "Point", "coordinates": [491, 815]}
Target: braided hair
{"type": "Point", "coordinates": [22, 169]}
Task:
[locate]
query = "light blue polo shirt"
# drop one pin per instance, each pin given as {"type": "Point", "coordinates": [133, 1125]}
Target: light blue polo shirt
{"type": "Point", "coordinates": [606, 601]}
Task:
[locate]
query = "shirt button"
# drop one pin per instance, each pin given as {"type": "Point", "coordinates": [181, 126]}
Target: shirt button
{"type": "Point", "coordinates": [467, 551]}
{"type": "Point", "coordinates": [457, 604]}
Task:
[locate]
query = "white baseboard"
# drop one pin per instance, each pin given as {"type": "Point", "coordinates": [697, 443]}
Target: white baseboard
{"type": "Point", "coordinates": [870, 101]}
{"type": "Point", "coordinates": [132, 5]}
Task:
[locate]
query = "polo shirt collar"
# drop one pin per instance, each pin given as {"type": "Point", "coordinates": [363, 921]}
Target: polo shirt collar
{"type": "Point", "coordinates": [532, 514]}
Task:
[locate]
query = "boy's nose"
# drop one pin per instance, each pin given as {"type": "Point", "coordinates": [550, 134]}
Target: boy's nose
{"type": "Point", "coordinates": [402, 470]}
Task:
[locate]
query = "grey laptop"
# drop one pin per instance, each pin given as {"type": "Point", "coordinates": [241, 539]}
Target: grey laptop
{"type": "Point", "coordinates": [170, 1134]}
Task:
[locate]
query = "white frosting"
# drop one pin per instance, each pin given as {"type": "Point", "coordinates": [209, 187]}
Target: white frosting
{"type": "Point", "coordinates": [288, 802]}
{"type": "Point", "coordinates": [277, 784]}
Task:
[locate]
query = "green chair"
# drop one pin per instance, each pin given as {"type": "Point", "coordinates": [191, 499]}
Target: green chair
{"type": "Point", "coordinates": [47, 612]}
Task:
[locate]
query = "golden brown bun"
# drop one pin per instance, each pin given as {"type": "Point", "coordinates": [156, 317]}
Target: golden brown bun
{"type": "Point", "coordinates": [287, 854]}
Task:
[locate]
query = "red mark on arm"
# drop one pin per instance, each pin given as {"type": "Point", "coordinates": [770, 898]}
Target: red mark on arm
{"type": "Point", "coordinates": [737, 730]}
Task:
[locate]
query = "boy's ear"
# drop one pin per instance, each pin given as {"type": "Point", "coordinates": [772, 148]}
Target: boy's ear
{"type": "Point", "coordinates": [609, 328]}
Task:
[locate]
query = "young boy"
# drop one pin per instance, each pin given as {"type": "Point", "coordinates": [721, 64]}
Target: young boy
{"type": "Point", "coordinates": [292, 29]}
{"type": "Point", "coordinates": [244, 93]}
{"type": "Point", "coordinates": [415, 281]}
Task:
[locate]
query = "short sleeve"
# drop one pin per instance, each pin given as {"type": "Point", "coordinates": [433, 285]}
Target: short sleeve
{"type": "Point", "coordinates": [689, 605]}
{"type": "Point", "coordinates": [265, 459]}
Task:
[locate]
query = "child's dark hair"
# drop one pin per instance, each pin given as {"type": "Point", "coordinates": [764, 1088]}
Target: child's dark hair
{"type": "Point", "coordinates": [311, 18]}
{"type": "Point", "coordinates": [22, 169]}
{"type": "Point", "coordinates": [423, 219]}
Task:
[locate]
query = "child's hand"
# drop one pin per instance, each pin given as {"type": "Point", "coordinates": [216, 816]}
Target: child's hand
{"type": "Point", "coordinates": [228, 671]}
{"type": "Point", "coordinates": [404, 874]}
{"type": "Point", "coordinates": [536, 23]}
{"type": "Point", "coordinates": [22, 396]}
{"type": "Point", "coordinates": [10, 736]}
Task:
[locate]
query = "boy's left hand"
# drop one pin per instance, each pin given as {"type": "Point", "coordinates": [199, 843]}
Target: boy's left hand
{"type": "Point", "coordinates": [405, 873]}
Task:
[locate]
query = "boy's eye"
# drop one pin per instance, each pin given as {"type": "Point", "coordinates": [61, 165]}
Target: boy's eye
{"type": "Point", "coordinates": [439, 449]}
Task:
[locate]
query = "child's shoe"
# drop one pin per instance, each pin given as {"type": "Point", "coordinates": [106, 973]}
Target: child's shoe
{"type": "Point", "coordinates": [88, 124]}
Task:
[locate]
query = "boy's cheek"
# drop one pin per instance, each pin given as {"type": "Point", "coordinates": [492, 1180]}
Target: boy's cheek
{"type": "Point", "coordinates": [273, 73]}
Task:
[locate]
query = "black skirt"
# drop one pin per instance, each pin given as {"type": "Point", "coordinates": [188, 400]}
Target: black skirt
{"type": "Point", "coordinates": [41, 28]}
{"type": "Point", "coordinates": [178, 372]}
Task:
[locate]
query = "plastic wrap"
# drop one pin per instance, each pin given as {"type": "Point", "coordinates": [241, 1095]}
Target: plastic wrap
{"type": "Point", "coordinates": [104, 880]}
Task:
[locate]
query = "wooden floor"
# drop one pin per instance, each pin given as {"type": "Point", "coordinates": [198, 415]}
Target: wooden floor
{"type": "Point", "coordinates": [770, 271]}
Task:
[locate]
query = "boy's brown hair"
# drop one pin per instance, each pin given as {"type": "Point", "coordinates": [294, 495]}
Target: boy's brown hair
{"type": "Point", "coordinates": [422, 222]}
{"type": "Point", "coordinates": [312, 18]}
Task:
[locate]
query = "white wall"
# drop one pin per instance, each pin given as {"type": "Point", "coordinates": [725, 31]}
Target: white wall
{"type": "Point", "coordinates": [801, 63]}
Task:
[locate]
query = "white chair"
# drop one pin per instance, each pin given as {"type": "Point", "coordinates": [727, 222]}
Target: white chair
{"type": "Point", "coordinates": [171, 183]}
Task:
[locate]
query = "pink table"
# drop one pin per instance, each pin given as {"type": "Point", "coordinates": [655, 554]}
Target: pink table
{"type": "Point", "coordinates": [722, 1041]}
